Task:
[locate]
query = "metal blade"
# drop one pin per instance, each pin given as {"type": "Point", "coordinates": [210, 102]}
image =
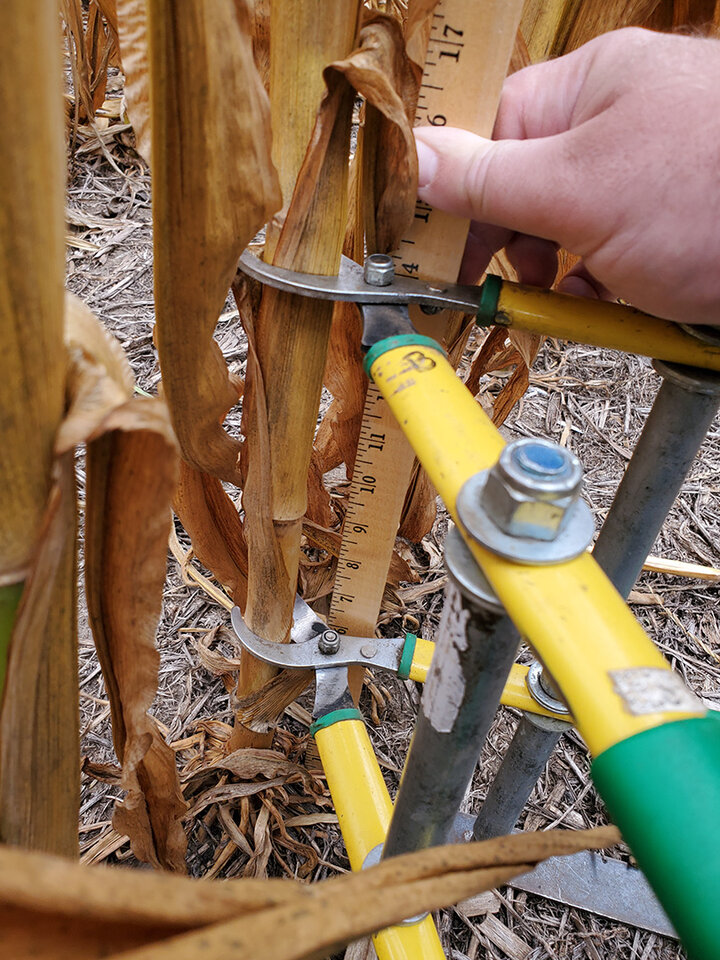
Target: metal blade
{"type": "Point", "coordinates": [306, 623]}
{"type": "Point", "coordinates": [606, 887]}
{"type": "Point", "coordinates": [306, 651]}
{"type": "Point", "coordinates": [586, 880]}
{"type": "Point", "coordinates": [350, 285]}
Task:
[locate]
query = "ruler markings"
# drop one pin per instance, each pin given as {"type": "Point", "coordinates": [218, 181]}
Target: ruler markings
{"type": "Point", "coordinates": [468, 52]}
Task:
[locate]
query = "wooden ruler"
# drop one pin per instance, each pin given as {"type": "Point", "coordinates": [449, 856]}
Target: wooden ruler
{"type": "Point", "coordinates": [467, 58]}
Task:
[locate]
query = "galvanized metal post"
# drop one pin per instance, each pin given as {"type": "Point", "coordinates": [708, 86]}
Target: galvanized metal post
{"type": "Point", "coordinates": [521, 767]}
{"type": "Point", "coordinates": [673, 433]}
{"type": "Point", "coordinates": [475, 649]}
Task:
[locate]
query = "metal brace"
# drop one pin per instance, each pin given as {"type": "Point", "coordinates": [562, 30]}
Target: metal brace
{"type": "Point", "coordinates": [351, 285]}
{"type": "Point", "coordinates": [316, 647]}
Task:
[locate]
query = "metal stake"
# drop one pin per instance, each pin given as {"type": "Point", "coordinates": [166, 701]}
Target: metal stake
{"type": "Point", "coordinates": [673, 433]}
{"type": "Point", "coordinates": [475, 650]}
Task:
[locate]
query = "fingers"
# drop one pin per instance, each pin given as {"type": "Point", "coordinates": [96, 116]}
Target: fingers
{"type": "Point", "coordinates": [579, 282]}
{"type": "Point", "coordinates": [518, 184]}
{"type": "Point", "coordinates": [482, 244]}
{"type": "Point", "coordinates": [534, 260]}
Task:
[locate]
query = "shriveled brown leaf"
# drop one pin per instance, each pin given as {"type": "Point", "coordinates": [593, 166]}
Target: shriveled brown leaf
{"type": "Point", "coordinates": [420, 506]}
{"type": "Point", "coordinates": [103, 772]}
{"type": "Point", "coordinates": [215, 529]}
{"type": "Point", "coordinates": [231, 791]}
{"type": "Point", "coordinates": [367, 902]}
{"type": "Point", "coordinates": [131, 476]}
{"type": "Point", "coordinates": [259, 709]}
{"type": "Point", "coordinates": [212, 660]}
{"type": "Point", "coordinates": [330, 540]}
{"type": "Point", "coordinates": [417, 30]}
{"type": "Point", "coordinates": [213, 188]}
{"type": "Point", "coordinates": [382, 73]}
{"type": "Point", "coordinates": [130, 480]}
{"type": "Point", "coordinates": [346, 380]}
{"type": "Point", "coordinates": [52, 908]}
{"type": "Point", "coordinates": [134, 55]}
{"type": "Point", "coordinates": [252, 762]}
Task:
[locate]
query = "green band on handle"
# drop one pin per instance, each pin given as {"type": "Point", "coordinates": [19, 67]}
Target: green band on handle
{"type": "Point", "coordinates": [489, 297]}
{"type": "Point", "coordinates": [662, 789]}
{"type": "Point", "coordinates": [401, 340]}
{"type": "Point", "coordinates": [335, 716]}
{"type": "Point", "coordinates": [408, 652]}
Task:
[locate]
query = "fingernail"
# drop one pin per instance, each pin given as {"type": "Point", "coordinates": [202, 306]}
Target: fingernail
{"type": "Point", "coordinates": [428, 161]}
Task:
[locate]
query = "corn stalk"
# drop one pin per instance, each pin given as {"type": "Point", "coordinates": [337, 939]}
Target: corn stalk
{"type": "Point", "coordinates": [39, 720]}
{"type": "Point", "coordinates": [288, 341]}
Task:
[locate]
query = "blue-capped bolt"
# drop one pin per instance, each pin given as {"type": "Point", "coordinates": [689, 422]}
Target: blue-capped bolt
{"type": "Point", "coordinates": [531, 489]}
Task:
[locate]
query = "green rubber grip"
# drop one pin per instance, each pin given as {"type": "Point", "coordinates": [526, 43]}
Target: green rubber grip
{"type": "Point", "coordinates": [662, 789]}
{"type": "Point", "coordinates": [400, 340]}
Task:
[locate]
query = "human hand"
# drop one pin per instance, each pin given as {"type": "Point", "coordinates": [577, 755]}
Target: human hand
{"type": "Point", "coordinates": [613, 152]}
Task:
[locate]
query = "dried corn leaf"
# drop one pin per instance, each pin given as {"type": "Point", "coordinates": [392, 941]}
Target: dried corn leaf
{"type": "Point", "coordinates": [72, 15]}
{"type": "Point", "coordinates": [417, 30]}
{"type": "Point", "coordinates": [133, 42]}
{"type": "Point", "coordinates": [216, 531]}
{"type": "Point", "coordinates": [346, 380]}
{"type": "Point", "coordinates": [100, 50]}
{"type": "Point", "coordinates": [99, 911]}
{"type": "Point", "coordinates": [381, 72]}
{"type": "Point", "coordinates": [212, 660]}
{"type": "Point", "coordinates": [251, 762]}
{"type": "Point", "coordinates": [213, 188]}
{"type": "Point", "coordinates": [131, 476]}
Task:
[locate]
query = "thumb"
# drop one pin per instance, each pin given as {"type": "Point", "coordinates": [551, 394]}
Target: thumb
{"type": "Point", "coordinates": [523, 185]}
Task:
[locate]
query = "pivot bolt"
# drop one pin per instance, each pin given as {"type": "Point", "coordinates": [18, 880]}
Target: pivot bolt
{"type": "Point", "coordinates": [329, 642]}
{"type": "Point", "coordinates": [379, 270]}
{"type": "Point", "coordinates": [530, 490]}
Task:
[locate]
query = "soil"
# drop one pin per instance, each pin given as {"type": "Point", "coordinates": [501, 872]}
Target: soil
{"type": "Point", "coordinates": [595, 401]}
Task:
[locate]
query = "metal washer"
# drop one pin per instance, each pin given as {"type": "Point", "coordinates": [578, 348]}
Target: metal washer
{"type": "Point", "coordinates": [576, 535]}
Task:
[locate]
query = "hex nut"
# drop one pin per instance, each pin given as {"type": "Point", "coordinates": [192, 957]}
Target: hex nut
{"type": "Point", "coordinates": [530, 490]}
{"type": "Point", "coordinates": [329, 642]}
{"type": "Point", "coordinates": [379, 270]}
